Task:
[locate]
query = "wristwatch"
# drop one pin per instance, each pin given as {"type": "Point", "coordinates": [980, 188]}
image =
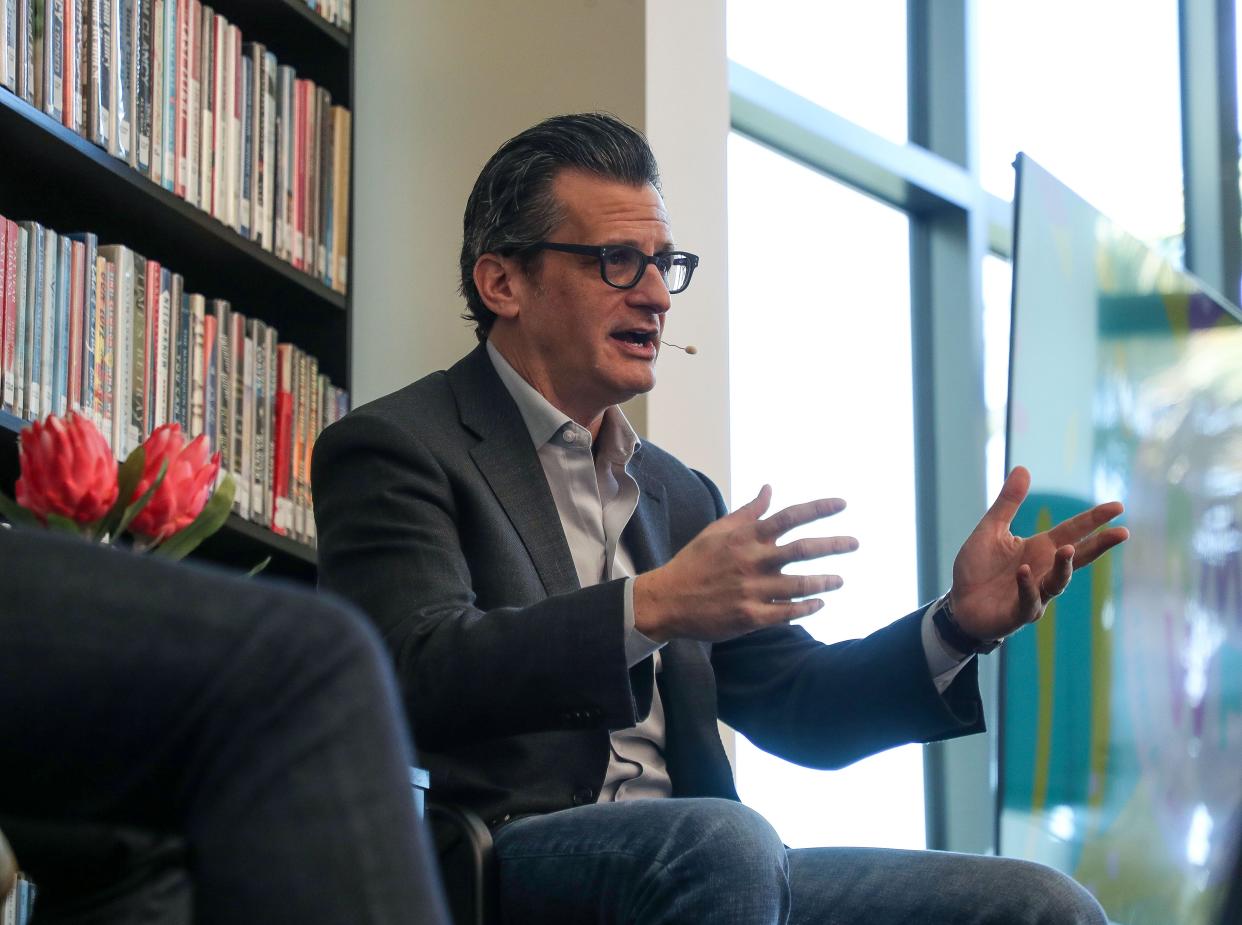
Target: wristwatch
{"type": "Point", "coordinates": [953, 635]}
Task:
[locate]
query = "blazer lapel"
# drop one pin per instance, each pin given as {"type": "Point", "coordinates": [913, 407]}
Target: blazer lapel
{"type": "Point", "coordinates": [646, 535]}
{"type": "Point", "coordinates": [508, 462]}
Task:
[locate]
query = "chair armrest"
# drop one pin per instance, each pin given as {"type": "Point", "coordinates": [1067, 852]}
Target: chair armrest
{"type": "Point", "coordinates": [467, 863]}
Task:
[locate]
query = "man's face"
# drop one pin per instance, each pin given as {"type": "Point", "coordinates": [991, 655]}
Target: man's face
{"type": "Point", "coordinates": [583, 344]}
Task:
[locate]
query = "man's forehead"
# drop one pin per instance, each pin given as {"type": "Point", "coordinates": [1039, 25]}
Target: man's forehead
{"type": "Point", "coordinates": [590, 200]}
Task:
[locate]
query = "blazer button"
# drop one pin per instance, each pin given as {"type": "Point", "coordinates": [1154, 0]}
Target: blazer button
{"type": "Point", "coordinates": [583, 796]}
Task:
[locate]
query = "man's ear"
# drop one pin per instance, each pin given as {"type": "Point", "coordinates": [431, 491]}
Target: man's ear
{"type": "Point", "coordinates": [498, 281]}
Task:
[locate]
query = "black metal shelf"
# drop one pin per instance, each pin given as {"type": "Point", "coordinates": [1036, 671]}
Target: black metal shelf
{"type": "Point", "coordinates": [62, 180]}
{"type": "Point", "coordinates": [239, 544]}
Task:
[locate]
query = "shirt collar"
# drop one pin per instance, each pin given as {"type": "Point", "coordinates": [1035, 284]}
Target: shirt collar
{"type": "Point", "coordinates": [617, 439]}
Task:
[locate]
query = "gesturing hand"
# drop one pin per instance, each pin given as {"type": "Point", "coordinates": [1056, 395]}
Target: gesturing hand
{"type": "Point", "coordinates": [728, 581]}
{"type": "Point", "coordinates": [1001, 582]}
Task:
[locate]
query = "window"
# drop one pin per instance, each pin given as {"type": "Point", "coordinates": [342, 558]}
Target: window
{"type": "Point", "coordinates": [822, 405]}
{"type": "Point", "coordinates": [1091, 92]}
{"type": "Point", "coordinates": [848, 58]}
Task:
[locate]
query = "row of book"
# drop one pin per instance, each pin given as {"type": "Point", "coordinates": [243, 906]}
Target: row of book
{"type": "Point", "coordinates": [18, 906]}
{"type": "Point", "coordinates": [171, 88]}
{"type": "Point", "coordinates": [115, 336]}
{"type": "Point", "coordinates": [338, 12]}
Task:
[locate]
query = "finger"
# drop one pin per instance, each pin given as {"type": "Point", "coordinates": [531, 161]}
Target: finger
{"type": "Point", "coordinates": [1080, 525]}
{"type": "Point", "coordinates": [1029, 604]}
{"type": "Point", "coordinates": [781, 588]}
{"type": "Point", "coordinates": [1057, 578]}
{"type": "Point", "coordinates": [807, 548]}
{"type": "Point", "coordinates": [1011, 496]}
{"type": "Point", "coordinates": [795, 516]}
{"type": "Point", "coordinates": [753, 509]}
{"type": "Point", "coordinates": [776, 613]}
{"type": "Point", "coordinates": [1097, 544]}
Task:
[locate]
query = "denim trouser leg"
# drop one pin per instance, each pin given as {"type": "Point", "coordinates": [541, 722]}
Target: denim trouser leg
{"type": "Point", "coordinates": [714, 861]}
{"type": "Point", "coordinates": [648, 861]}
{"type": "Point", "coordinates": [882, 886]}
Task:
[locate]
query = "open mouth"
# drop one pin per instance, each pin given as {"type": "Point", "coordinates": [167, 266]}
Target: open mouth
{"type": "Point", "coordinates": [638, 338]}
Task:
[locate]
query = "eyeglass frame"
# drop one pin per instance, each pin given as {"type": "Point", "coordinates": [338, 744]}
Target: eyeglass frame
{"type": "Point", "coordinates": [600, 252]}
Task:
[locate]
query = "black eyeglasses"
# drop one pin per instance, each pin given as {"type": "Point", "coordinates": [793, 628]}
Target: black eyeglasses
{"type": "Point", "coordinates": [622, 266]}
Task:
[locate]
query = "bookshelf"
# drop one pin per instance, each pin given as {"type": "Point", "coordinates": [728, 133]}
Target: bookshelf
{"type": "Point", "coordinates": [62, 180]}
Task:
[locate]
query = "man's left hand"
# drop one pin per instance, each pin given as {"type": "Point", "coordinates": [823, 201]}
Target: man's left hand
{"type": "Point", "coordinates": [1002, 582]}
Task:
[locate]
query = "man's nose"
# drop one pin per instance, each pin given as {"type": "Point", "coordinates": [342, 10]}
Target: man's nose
{"type": "Point", "coordinates": [651, 292]}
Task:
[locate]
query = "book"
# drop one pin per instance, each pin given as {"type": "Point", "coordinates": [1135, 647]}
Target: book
{"type": "Point", "coordinates": [182, 337]}
{"type": "Point", "coordinates": [341, 228]}
{"type": "Point", "coordinates": [241, 411]}
{"type": "Point", "coordinates": [8, 44]}
{"type": "Point", "coordinates": [142, 87]}
{"type": "Point", "coordinates": [23, 285]}
{"type": "Point", "coordinates": [121, 275]}
{"type": "Point", "coordinates": [107, 366]}
{"type": "Point", "coordinates": [123, 79]}
{"type": "Point", "coordinates": [62, 310]}
{"type": "Point", "coordinates": [33, 372]}
{"type": "Point", "coordinates": [9, 271]}
{"type": "Point", "coordinates": [162, 344]}
{"type": "Point", "coordinates": [198, 322]}
{"type": "Point", "coordinates": [245, 216]}
{"type": "Point", "coordinates": [158, 91]}
{"type": "Point", "coordinates": [171, 57]}
{"type": "Point", "coordinates": [182, 98]}
{"type": "Point", "coordinates": [282, 442]}
{"type": "Point", "coordinates": [99, 95]}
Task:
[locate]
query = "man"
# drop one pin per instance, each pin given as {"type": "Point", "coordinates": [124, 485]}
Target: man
{"type": "Point", "coordinates": [159, 719]}
{"type": "Point", "coordinates": [571, 609]}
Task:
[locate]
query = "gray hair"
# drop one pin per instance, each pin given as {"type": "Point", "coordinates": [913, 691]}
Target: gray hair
{"type": "Point", "coordinates": [512, 204]}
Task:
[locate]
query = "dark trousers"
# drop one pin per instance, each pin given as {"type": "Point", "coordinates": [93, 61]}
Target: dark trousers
{"type": "Point", "coordinates": [257, 723]}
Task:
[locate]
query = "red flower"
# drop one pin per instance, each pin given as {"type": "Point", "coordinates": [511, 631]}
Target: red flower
{"type": "Point", "coordinates": [188, 483]}
{"type": "Point", "coordinates": [67, 469]}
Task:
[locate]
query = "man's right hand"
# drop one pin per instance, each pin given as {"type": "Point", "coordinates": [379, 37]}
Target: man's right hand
{"type": "Point", "coordinates": [727, 581]}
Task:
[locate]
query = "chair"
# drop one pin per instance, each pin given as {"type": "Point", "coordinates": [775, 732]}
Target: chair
{"type": "Point", "coordinates": [463, 847]}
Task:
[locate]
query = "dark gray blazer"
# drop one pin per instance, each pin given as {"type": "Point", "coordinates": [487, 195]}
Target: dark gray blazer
{"type": "Point", "coordinates": [434, 516]}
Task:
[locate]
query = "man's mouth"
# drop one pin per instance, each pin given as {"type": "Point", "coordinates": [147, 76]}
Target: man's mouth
{"type": "Point", "coordinates": [638, 337]}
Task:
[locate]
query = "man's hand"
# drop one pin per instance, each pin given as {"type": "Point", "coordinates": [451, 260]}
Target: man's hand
{"type": "Point", "coordinates": [1001, 582]}
{"type": "Point", "coordinates": [727, 581]}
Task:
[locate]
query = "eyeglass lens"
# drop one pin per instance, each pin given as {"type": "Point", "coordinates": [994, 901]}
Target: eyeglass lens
{"type": "Point", "coordinates": [624, 266]}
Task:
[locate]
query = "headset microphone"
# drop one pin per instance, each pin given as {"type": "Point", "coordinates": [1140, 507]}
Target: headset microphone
{"type": "Point", "coordinates": [689, 348]}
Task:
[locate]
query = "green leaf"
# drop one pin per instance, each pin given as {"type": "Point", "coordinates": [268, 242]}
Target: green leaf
{"type": "Point", "coordinates": [15, 514]}
{"type": "Point", "coordinates": [61, 524]}
{"type": "Point", "coordinates": [133, 510]}
{"type": "Point", "coordinates": [127, 478]}
{"type": "Point", "coordinates": [210, 519]}
{"type": "Point", "coordinates": [258, 568]}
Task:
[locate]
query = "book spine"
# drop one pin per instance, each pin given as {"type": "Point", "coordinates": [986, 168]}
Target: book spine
{"type": "Point", "coordinates": [219, 115]}
{"type": "Point", "coordinates": [157, 95]}
{"type": "Point", "coordinates": [269, 429]}
{"type": "Point", "coordinates": [283, 440]}
{"type": "Point", "coordinates": [99, 345]}
{"type": "Point", "coordinates": [340, 279]}
{"type": "Point", "coordinates": [107, 368]}
{"type": "Point", "coordinates": [23, 286]}
{"type": "Point", "coordinates": [245, 217]}
{"type": "Point", "coordinates": [313, 411]}
{"type": "Point", "coordinates": [207, 137]}
{"type": "Point", "coordinates": [82, 94]}
{"type": "Point", "coordinates": [61, 311]}
{"type": "Point", "coordinates": [8, 310]}
{"type": "Point", "coordinates": [38, 25]}
{"type": "Point", "coordinates": [243, 392]}
{"type": "Point", "coordinates": [34, 321]}
{"type": "Point", "coordinates": [70, 64]}
{"type": "Point", "coordinates": [257, 341]}
{"type": "Point", "coordinates": [24, 86]}
{"type": "Point", "coordinates": [122, 62]}
{"type": "Point", "coordinates": [197, 357]}
{"type": "Point", "coordinates": [138, 361]}
{"type": "Point", "coordinates": [182, 344]}
{"type": "Point", "coordinates": [76, 339]}
{"type": "Point", "coordinates": [143, 87]}
{"type": "Point", "coordinates": [8, 51]}
{"type": "Point", "coordinates": [194, 105]}
{"type": "Point", "coordinates": [265, 184]}
{"type": "Point", "coordinates": [99, 106]}
{"type": "Point", "coordinates": [232, 204]}
{"type": "Point", "coordinates": [170, 49]}
{"type": "Point", "coordinates": [211, 343]}
{"type": "Point", "coordinates": [54, 60]}
{"type": "Point", "coordinates": [182, 146]}
{"type": "Point", "coordinates": [163, 347]}
{"type": "Point", "coordinates": [223, 386]}
{"type": "Point", "coordinates": [323, 177]}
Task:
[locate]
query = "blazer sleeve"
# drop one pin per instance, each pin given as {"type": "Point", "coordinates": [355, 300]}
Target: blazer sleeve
{"type": "Point", "coordinates": [387, 516]}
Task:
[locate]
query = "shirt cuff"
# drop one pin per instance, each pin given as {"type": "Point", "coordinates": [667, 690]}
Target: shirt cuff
{"type": "Point", "coordinates": [943, 661]}
{"type": "Point", "coordinates": [637, 646]}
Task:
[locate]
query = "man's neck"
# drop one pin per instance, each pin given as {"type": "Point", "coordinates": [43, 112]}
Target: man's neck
{"type": "Point", "coordinates": [590, 418]}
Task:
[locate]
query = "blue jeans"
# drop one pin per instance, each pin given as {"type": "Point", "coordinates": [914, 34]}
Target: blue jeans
{"type": "Point", "coordinates": [715, 861]}
{"type": "Point", "coordinates": [257, 723]}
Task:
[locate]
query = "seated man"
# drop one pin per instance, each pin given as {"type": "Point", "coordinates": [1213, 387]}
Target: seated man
{"type": "Point", "coordinates": [257, 723]}
{"type": "Point", "coordinates": [571, 609]}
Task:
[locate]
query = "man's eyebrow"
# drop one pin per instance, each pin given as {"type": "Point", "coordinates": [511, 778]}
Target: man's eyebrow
{"type": "Point", "coordinates": [633, 242]}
